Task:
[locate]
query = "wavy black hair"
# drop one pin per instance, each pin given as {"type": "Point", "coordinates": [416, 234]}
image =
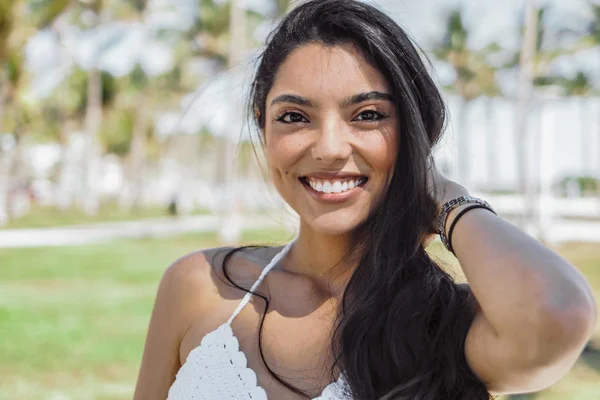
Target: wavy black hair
{"type": "Point", "coordinates": [401, 327]}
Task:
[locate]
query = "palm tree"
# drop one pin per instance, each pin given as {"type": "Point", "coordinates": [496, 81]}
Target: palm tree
{"type": "Point", "coordinates": [134, 86]}
{"type": "Point", "coordinates": [90, 202]}
{"type": "Point", "coordinates": [18, 20]}
{"type": "Point", "coordinates": [535, 63]}
{"type": "Point", "coordinates": [63, 114]}
{"type": "Point", "coordinates": [475, 77]}
{"type": "Point", "coordinates": [454, 50]}
{"type": "Point", "coordinates": [230, 228]}
{"type": "Point", "coordinates": [221, 35]}
{"type": "Point", "coordinates": [527, 69]}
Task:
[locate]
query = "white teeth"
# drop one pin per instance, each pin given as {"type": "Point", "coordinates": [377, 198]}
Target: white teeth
{"type": "Point", "coordinates": [333, 186]}
{"type": "Point", "coordinates": [336, 187]}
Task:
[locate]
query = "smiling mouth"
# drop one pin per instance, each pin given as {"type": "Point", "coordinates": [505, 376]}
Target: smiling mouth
{"type": "Point", "coordinates": [328, 186]}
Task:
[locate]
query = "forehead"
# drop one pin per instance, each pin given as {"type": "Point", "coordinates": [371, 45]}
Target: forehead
{"type": "Point", "coordinates": [327, 72]}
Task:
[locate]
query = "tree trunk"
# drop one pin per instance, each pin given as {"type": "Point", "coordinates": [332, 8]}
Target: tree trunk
{"type": "Point", "coordinates": [4, 161]}
{"type": "Point", "coordinates": [230, 228]}
{"type": "Point", "coordinates": [525, 94]}
{"type": "Point", "coordinates": [93, 118]}
{"type": "Point", "coordinates": [462, 143]}
{"type": "Point", "coordinates": [585, 133]}
{"type": "Point", "coordinates": [595, 136]}
{"type": "Point", "coordinates": [5, 167]}
{"type": "Point", "coordinates": [137, 155]}
{"type": "Point", "coordinates": [597, 166]}
{"type": "Point", "coordinates": [491, 131]}
{"type": "Point", "coordinates": [3, 94]}
{"type": "Point", "coordinates": [65, 196]}
{"type": "Point", "coordinates": [19, 174]}
{"type": "Point", "coordinates": [547, 171]}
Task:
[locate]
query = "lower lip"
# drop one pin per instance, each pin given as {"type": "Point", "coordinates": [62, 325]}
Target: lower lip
{"type": "Point", "coordinates": [334, 197]}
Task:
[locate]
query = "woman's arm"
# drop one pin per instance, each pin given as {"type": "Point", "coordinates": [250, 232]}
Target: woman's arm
{"type": "Point", "coordinates": [535, 311]}
{"type": "Point", "coordinates": [178, 291]}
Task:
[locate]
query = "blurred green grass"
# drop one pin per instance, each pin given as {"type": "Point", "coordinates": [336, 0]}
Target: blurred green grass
{"type": "Point", "coordinates": [73, 319]}
{"type": "Point", "coordinates": [42, 217]}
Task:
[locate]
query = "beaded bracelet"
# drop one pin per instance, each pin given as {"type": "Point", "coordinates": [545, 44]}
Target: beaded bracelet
{"type": "Point", "coordinates": [449, 206]}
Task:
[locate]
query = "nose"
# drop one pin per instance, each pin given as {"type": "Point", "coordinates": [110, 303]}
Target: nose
{"type": "Point", "coordinates": [333, 142]}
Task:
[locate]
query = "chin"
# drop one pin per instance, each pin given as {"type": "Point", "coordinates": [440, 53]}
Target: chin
{"type": "Point", "coordinates": [334, 224]}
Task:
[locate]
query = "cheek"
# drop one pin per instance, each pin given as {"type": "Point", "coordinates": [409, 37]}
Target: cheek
{"type": "Point", "coordinates": [382, 151]}
{"type": "Point", "coordinates": [283, 152]}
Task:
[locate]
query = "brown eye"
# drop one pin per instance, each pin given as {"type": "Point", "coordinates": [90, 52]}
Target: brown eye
{"type": "Point", "coordinates": [369, 115]}
{"type": "Point", "coordinates": [291, 118]}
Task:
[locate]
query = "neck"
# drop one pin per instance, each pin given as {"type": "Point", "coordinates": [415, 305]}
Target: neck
{"type": "Point", "coordinates": [319, 257]}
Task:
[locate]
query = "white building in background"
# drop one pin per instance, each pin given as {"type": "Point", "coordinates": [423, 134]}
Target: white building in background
{"type": "Point", "coordinates": [563, 133]}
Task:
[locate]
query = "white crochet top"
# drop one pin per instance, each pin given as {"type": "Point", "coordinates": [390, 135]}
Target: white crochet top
{"type": "Point", "coordinates": [217, 369]}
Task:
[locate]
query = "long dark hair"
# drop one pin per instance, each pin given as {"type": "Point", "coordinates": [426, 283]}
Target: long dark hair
{"type": "Point", "coordinates": [401, 327]}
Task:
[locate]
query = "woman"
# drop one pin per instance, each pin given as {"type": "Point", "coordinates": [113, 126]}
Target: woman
{"type": "Point", "coordinates": [354, 307]}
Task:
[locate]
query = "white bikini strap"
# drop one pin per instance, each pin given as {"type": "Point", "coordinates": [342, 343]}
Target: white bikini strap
{"type": "Point", "coordinates": [264, 272]}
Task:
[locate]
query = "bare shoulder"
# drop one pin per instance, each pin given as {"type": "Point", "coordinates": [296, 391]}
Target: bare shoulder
{"type": "Point", "coordinates": [194, 270]}
{"type": "Point", "coordinates": [196, 281]}
{"type": "Point", "coordinates": [193, 275]}
{"type": "Point", "coordinates": [183, 287]}
{"type": "Point", "coordinates": [184, 292]}
{"type": "Point", "coordinates": [188, 275]}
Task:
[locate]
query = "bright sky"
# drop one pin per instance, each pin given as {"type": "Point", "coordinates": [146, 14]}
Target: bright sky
{"type": "Point", "coordinates": [488, 20]}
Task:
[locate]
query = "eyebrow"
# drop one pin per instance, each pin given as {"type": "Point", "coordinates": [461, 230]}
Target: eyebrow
{"type": "Point", "coordinates": [359, 98]}
{"type": "Point", "coordinates": [352, 100]}
{"type": "Point", "coordinates": [292, 98]}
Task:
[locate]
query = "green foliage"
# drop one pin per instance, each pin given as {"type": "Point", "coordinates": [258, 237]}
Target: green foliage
{"type": "Point", "coordinates": [14, 66]}
{"type": "Point", "coordinates": [138, 5]}
{"type": "Point", "coordinates": [72, 95]}
{"type": "Point", "coordinates": [579, 85]}
{"type": "Point", "coordinates": [586, 184]}
{"type": "Point", "coordinates": [138, 78]}
{"type": "Point", "coordinates": [541, 28]}
{"type": "Point", "coordinates": [6, 26]}
{"type": "Point", "coordinates": [44, 12]}
{"type": "Point", "coordinates": [282, 7]}
{"type": "Point", "coordinates": [594, 26]}
{"type": "Point", "coordinates": [456, 33]}
{"type": "Point", "coordinates": [109, 89]}
{"type": "Point", "coordinates": [17, 118]}
{"type": "Point", "coordinates": [117, 131]}
{"type": "Point", "coordinates": [475, 74]}
{"type": "Point", "coordinates": [547, 80]}
{"type": "Point", "coordinates": [214, 18]}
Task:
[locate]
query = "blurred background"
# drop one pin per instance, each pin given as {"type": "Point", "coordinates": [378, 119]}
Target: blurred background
{"type": "Point", "coordinates": [123, 146]}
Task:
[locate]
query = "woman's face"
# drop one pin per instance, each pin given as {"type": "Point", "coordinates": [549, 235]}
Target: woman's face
{"type": "Point", "coordinates": [331, 135]}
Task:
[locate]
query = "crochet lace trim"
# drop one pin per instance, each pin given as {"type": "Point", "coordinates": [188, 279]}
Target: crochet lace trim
{"type": "Point", "coordinates": [217, 369]}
